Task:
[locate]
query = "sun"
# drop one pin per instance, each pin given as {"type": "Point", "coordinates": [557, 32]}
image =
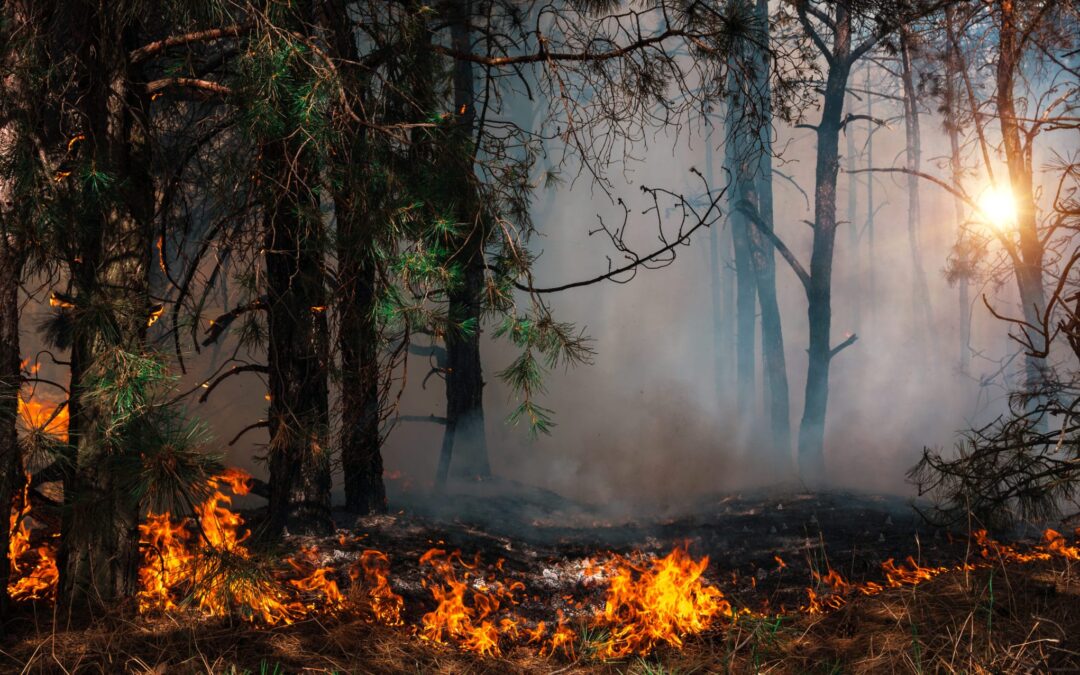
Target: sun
{"type": "Point", "coordinates": [998, 207]}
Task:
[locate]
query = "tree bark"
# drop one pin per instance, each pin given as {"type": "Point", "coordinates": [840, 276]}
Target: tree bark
{"type": "Point", "coordinates": [464, 452]}
{"type": "Point", "coordinates": [819, 284]}
{"type": "Point", "coordinates": [297, 348]}
{"type": "Point", "coordinates": [99, 555]}
{"type": "Point", "coordinates": [10, 273]}
{"type": "Point", "coordinates": [356, 207]}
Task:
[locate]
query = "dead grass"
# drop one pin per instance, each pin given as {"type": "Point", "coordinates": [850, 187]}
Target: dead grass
{"type": "Point", "coordinates": [1023, 618]}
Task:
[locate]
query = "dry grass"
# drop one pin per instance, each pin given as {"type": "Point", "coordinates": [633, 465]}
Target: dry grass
{"type": "Point", "coordinates": [1024, 618]}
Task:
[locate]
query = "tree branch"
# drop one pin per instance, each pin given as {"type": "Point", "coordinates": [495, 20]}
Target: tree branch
{"type": "Point", "coordinates": [148, 50]}
{"type": "Point", "coordinates": [750, 212]}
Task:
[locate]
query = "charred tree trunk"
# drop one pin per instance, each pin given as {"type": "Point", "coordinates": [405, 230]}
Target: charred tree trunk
{"type": "Point", "coordinates": [355, 200]}
{"type": "Point", "coordinates": [12, 260]}
{"type": "Point", "coordinates": [11, 265]}
{"type": "Point", "coordinates": [921, 291]}
{"type": "Point", "coordinates": [297, 347]}
{"type": "Point", "coordinates": [819, 292]}
{"type": "Point", "coordinates": [464, 450]}
{"type": "Point", "coordinates": [99, 541]}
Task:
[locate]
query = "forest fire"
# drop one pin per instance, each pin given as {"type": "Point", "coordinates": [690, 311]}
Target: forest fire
{"type": "Point", "coordinates": [658, 602]}
{"type": "Point", "coordinates": [622, 605]}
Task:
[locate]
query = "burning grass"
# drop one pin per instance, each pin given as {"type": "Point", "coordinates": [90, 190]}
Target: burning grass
{"type": "Point", "coordinates": [393, 598]}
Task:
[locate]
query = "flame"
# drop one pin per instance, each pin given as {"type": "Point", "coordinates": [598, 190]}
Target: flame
{"type": "Point", "coordinates": [189, 558]}
{"type": "Point", "coordinates": [155, 315]}
{"type": "Point", "coordinates": [57, 301]}
{"type": "Point", "coordinates": [658, 602]}
{"type": "Point", "coordinates": [177, 564]}
{"type": "Point", "coordinates": [466, 610]}
{"type": "Point", "coordinates": [373, 570]}
{"type": "Point", "coordinates": [30, 578]}
{"type": "Point", "coordinates": [43, 417]}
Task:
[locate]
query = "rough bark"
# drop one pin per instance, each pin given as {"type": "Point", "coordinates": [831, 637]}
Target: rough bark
{"type": "Point", "coordinates": [355, 208]}
{"type": "Point", "coordinates": [297, 348]}
{"type": "Point", "coordinates": [464, 452]}
{"type": "Point", "coordinates": [99, 539]}
{"type": "Point", "coordinates": [10, 272]}
{"type": "Point", "coordinates": [12, 259]}
{"type": "Point", "coordinates": [819, 293]}
{"type": "Point", "coordinates": [811, 452]}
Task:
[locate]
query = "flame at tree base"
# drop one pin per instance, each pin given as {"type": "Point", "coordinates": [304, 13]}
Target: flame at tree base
{"type": "Point", "coordinates": [202, 565]}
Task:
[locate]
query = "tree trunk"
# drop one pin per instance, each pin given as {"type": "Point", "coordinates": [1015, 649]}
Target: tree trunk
{"type": "Point", "coordinates": [12, 259]}
{"type": "Point", "coordinates": [740, 162]}
{"type": "Point", "coordinates": [464, 451]}
{"type": "Point", "coordinates": [952, 128]}
{"type": "Point", "coordinates": [99, 554]}
{"type": "Point", "coordinates": [1018, 159]}
{"type": "Point", "coordinates": [749, 163]}
{"type": "Point", "coordinates": [297, 348]}
{"type": "Point", "coordinates": [871, 247]}
{"type": "Point", "coordinates": [10, 275]}
{"type": "Point", "coordinates": [356, 207]}
{"type": "Point", "coordinates": [920, 292]}
{"type": "Point", "coordinates": [819, 290]}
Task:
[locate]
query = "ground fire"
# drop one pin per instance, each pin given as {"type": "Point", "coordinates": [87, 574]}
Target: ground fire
{"type": "Point", "coordinates": [633, 603]}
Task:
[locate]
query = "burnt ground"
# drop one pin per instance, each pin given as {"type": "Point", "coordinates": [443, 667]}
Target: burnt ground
{"type": "Point", "coordinates": [545, 540]}
{"type": "Point", "coordinates": [1020, 618]}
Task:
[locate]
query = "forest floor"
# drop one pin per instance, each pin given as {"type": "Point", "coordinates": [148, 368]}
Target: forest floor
{"type": "Point", "coordinates": [770, 553]}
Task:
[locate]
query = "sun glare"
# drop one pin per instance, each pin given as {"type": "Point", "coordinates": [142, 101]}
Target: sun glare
{"type": "Point", "coordinates": [998, 207]}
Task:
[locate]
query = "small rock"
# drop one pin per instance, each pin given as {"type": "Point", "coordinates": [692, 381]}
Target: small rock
{"type": "Point", "coordinates": [779, 507]}
{"type": "Point", "coordinates": [888, 521]}
{"type": "Point", "coordinates": [881, 538]}
{"type": "Point", "coordinates": [772, 530]}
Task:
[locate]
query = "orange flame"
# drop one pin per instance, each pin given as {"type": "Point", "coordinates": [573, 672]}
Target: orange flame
{"type": "Point", "coordinates": [44, 417]}
{"type": "Point", "coordinates": [466, 609]}
{"type": "Point", "coordinates": [658, 602]}
{"type": "Point", "coordinates": [374, 569]}
{"type": "Point", "coordinates": [30, 578]}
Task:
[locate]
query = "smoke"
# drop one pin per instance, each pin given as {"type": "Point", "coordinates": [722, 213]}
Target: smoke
{"type": "Point", "coordinates": [648, 426]}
